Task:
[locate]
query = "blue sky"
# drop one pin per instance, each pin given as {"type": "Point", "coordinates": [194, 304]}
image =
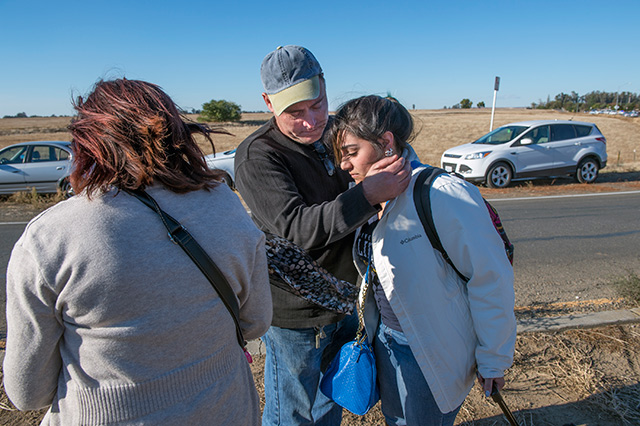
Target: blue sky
{"type": "Point", "coordinates": [429, 54]}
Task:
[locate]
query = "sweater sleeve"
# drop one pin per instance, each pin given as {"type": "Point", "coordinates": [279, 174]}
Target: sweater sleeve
{"type": "Point", "coordinates": [474, 246]}
{"type": "Point", "coordinates": [270, 191]}
{"type": "Point", "coordinates": [32, 362]}
{"type": "Point", "coordinates": [255, 310]}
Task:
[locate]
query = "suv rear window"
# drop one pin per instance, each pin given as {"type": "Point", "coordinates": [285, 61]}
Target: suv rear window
{"type": "Point", "coordinates": [582, 130]}
{"type": "Point", "coordinates": [560, 132]}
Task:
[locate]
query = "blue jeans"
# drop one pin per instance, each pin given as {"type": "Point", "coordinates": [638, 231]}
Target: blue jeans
{"type": "Point", "coordinates": [292, 373]}
{"type": "Point", "coordinates": [405, 394]}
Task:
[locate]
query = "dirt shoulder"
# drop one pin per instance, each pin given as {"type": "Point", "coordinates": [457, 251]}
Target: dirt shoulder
{"type": "Point", "coordinates": [575, 377]}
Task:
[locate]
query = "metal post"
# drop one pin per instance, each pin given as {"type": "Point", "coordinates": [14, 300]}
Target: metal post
{"type": "Point", "coordinates": [493, 108]}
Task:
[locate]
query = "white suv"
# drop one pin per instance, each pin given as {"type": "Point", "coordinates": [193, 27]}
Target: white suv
{"type": "Point", "coordinates": [530, 149]}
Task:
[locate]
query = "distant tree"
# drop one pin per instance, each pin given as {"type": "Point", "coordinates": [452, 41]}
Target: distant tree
{"type": "Point", "coordinates": [561, 102]}
{"type": "Point", "coordinates": [21, 115]}
{"type": "Point", "coordinates": [589, 101]}
{"type": "Point", "coordinates": [465, 103]}
{"type": "Point", "coordinates": [220, 111]}
{"type": "Point", "coordinates": [480, 104]}
{"type": "Point", "coordinates": [187, 110]}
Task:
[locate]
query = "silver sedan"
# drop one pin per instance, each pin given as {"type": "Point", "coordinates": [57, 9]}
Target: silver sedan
{"type": "Point", "coordinates": [43, 165]}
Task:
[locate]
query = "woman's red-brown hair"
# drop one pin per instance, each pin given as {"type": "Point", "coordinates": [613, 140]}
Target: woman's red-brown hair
{"type": "Point", "coordinates": [129, 134]}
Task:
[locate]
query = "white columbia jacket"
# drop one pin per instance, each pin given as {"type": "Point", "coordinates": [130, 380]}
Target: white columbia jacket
{"type": "Point", "coordinates": [452, 327]}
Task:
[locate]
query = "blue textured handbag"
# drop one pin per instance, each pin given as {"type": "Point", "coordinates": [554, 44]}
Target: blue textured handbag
{"type": "Point", "coordinates": [351, 380]}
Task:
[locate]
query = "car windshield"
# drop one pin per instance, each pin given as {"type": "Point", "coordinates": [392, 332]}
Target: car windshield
{"type": "Point", "coordinates": [501, 135]}
{"type": "Point", "coordinates": [13, 155]}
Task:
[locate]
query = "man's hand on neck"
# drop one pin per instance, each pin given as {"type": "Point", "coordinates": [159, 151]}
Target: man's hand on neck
{"type": "Point", "coordinates": [386, 179]}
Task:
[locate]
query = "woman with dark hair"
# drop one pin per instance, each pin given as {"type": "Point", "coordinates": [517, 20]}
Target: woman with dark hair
{"type": "Point", "coordinates": [109, 321]}
{"type": "Point", "coordinates": [431, 330]}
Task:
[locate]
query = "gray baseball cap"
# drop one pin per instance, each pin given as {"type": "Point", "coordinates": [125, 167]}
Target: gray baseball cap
{"type": "Point", "coordinates": [290, 74]}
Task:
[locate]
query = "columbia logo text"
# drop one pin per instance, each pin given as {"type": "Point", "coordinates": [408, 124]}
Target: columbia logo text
{"type": "Point", "coordinates": [409, 239]}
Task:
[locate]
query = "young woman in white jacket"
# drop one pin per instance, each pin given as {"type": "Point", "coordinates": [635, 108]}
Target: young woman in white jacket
{"type": "Point", "coordinates": [433, 333]}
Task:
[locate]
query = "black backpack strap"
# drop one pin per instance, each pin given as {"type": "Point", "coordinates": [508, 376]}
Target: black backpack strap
{"type": "Point", "coordinates": [179, 235]}
{"type": "Point", "coordinates": [422, 200]}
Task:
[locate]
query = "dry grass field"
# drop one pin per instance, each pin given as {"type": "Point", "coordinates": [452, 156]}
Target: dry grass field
{"type": "Point", "coordinates": [579, 377]}
{"type": "Point", "coordinates": [437, 130]}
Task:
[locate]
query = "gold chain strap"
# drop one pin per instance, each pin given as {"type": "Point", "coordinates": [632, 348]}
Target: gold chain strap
{"type": "Point", "coordinates": [360, 336]}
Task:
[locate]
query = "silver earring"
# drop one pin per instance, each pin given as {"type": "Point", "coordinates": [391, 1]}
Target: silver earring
{"type": "Point", "coordinates": [388, 153]}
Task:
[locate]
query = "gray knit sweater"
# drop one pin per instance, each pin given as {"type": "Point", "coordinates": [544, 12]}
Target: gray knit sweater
{"type": "Point", "coordinates": [109, 322]}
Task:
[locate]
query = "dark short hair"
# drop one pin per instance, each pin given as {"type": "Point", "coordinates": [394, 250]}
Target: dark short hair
{"type": "Point", "coordinates": [129, 134]}
{"type": "Point", "coordinates": [368, 118]}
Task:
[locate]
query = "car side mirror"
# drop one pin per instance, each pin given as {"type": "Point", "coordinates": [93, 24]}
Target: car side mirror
{"type": "Point", "coordinates": [526, 141]}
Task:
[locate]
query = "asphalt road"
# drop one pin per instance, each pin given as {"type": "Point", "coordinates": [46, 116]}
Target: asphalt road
{"type": "Point", "coordinates": [9, 234]}
{"type": "Point", "coordinates": [567, 248]}
{"type": "Point", "coordinates": [572, 247]}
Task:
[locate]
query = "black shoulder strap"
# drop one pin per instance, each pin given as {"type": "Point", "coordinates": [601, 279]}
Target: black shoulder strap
{"type": "Point", "coordinates": [178, 234]}
{"type": "Point", "coordinates": [422, 200]}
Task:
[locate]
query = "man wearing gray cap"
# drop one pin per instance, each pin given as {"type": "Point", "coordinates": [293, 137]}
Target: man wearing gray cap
{"type": "Point", "coordinates": [287, 178]}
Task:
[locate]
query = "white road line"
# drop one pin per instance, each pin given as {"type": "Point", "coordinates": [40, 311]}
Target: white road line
{"type": "Point", "coordinates": [596, 194]}
{"type": "Point", "coordinates": [492, 200]}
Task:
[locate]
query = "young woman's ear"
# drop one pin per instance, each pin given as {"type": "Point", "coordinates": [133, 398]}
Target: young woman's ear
{"type": "Point", "coordinates": [387, 140]}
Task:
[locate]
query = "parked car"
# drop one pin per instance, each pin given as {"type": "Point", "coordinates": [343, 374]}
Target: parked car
{"type": "Point", "coordinates": [530, 149]}
{"type": "Point", "coordinates": [223, 161]}
{"type": "Point", "coordinates": [43, 165]}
